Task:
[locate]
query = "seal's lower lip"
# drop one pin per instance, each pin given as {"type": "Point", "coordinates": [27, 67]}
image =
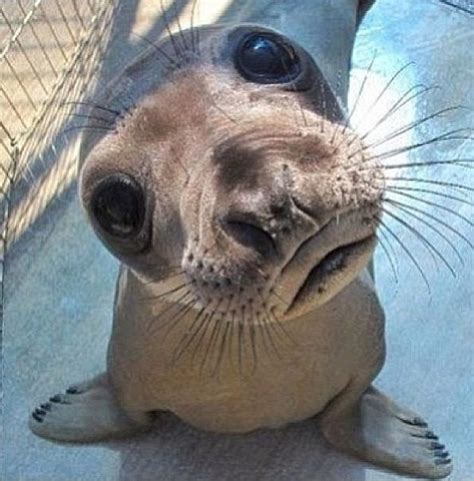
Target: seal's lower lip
{"type": "Point", "coordinates": [337, 260]}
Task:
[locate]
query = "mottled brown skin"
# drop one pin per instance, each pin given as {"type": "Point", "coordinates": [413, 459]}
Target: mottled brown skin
{"type": "Point", "coordinates": [231, 342]}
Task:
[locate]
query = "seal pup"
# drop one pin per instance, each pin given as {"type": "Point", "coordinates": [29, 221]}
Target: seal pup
{"type": "Point", "coordinates": [244, 212]}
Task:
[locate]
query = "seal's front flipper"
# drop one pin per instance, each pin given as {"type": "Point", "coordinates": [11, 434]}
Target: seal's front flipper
{"type": "Point", "coordinates": [378, 431]}
{"type": "Point", "coordinates": [86, 412]}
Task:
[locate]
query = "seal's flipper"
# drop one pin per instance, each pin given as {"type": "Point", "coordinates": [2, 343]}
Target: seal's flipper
{"type": "Point", "coordinates": [86, 412]}
{"type": "Point", "coordinates": [378, 431]}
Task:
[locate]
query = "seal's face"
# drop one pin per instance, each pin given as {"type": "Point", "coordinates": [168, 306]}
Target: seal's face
{"type": "Point", "coordinates": [236, 166]}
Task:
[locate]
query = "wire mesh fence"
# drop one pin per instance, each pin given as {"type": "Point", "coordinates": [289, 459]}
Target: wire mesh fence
{"type": "Point", "coordinates": [463, 5]}
{"type": "Point", "coordinates": [50, 53]}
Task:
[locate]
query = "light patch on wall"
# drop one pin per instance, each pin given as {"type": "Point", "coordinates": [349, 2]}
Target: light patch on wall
{"type": "Point", "coordinates": [382, 110]}
{"type": "Point", "coordinates": [201, 12]}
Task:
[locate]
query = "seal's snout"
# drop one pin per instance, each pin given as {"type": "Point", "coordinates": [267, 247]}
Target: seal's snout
{"type": "Point", "coordinates": [237, 166]}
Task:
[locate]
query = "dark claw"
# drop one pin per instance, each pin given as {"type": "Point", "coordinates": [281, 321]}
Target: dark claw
{"type": "Point", "coordinates": [435, 445]}
{"type": "Point", "coordinates": [72, 390]}
{"type": "Point", "coordinates": [415, 422]}
{"type": "Point", "coordinates": [46, 406]}
{"type": "Point", "coordinates": [37, 417]}
{"type": "Point", "coordinates": [426, 435]}
{"type": "Point", "coordinates": [40, 412]}
{"type": "Point", "coordinates": [420, 422]}
{"type": "Point", "coordinates": [442, 461]}
{"type": "Point", "coordinates": [55, 399]}
{"type": "Point", "coordinates": [441, 454]}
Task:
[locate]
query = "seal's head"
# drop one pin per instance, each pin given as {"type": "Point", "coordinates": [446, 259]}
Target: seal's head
{"type": "Point", "coordinates": [235, 164]}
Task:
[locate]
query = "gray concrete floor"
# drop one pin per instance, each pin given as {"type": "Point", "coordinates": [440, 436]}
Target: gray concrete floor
{"type": "Point", "coordinates": [60, 284]}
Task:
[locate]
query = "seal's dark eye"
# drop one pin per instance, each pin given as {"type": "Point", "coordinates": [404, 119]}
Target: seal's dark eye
{"type": "Point", "coordinates": [118, 205]}
{"type": "Point", "coordinates": [265, 58]}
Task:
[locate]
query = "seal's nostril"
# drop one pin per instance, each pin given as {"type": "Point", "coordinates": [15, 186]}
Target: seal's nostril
{"type": "Point", "coordinates": [250, 235]}
{"type": "Point", "coordinates": [279, 210]}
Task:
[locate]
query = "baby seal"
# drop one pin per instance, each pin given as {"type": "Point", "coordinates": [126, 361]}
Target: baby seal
{"type": "Point", "coordinates": [244, 212]}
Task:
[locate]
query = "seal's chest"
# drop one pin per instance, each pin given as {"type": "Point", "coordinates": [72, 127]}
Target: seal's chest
{"type": "Point", "coordinates": [265, 391]}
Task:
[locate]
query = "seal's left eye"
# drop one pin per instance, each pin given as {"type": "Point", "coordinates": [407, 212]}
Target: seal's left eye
{"type": "Point", "coordinates": [118, 205]}
{"type": "Point", "coordinates": [266, 58]}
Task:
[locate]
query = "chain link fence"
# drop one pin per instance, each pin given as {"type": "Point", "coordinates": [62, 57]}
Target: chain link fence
{"type": "Point", "coordinates": [50, 53]}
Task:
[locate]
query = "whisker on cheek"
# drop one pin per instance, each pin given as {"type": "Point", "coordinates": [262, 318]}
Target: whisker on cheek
{"type": "Point", "coordinates": [437, 205]}
{"type": "Point", "coordinates": [167, 293]}
{"type": "Point", "coordinates": [397, 239]}
{"type": "Point", "coordinates": [171, 62]}
{"type": "Point", "coordinates": [382, 239]}
{"type": "Point", "coordinates": [188, 338]}
{"type": "Point", "coordinates": [411, 214]}
{"type": "Point", "coordinates": [400, 188]}
{"type": "Point", "coordinates": [431, 248]}
{"type": "Point", "coordinates": [176, 46]}
{"type": "Point", "coordinates": [434, 218]}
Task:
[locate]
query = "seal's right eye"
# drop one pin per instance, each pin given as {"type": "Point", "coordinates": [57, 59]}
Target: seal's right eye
{"type": "Point", "coordinates": [267, 59]}
{"type": "Point", "coordinates": [118, 205]}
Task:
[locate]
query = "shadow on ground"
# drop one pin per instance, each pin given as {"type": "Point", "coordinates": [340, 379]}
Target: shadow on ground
{"type": "Point", "coordinates": [175, 451]}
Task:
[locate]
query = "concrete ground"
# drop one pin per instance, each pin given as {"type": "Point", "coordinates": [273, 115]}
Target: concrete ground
{"type": "Point", "coordinates": [60, 282]}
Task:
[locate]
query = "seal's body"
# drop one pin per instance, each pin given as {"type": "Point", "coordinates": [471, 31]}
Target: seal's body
{"type": "Point", "coordinates": [244, 211]}
{"type": "Point", "coordinates": [295, 382]}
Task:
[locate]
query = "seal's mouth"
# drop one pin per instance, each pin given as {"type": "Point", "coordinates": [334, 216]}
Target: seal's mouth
{"type": "Point", "coordinates": [332, 266]}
